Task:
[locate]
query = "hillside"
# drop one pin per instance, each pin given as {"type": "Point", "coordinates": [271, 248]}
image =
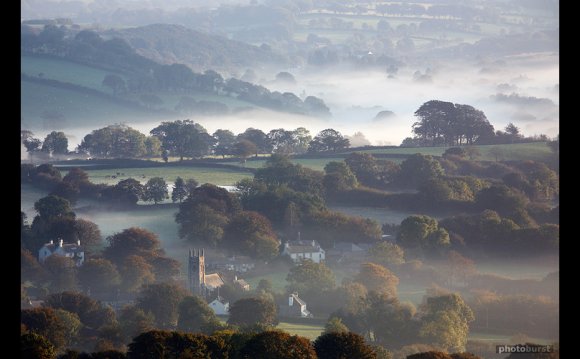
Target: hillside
{"type": "Point", "coordinates": [169, 44]}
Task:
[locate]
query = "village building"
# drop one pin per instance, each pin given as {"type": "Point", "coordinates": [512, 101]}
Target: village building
{"type": "Point", "coordinates": [73, 251]}
{"type": "Point", "coordinates": [295, 308]}
{"type": "Point", "coordinates": [301, 249]}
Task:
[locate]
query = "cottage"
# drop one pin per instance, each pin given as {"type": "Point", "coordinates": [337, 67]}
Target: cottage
{"type": "Point", "coordinates": [220, 306]}
{"type": "Point", "coordinates": [73, 251]}
{"type": "Point", "coordinates": [242, 284]}
{"type": "Point", "coordinates": [295, 308]}
{"type": "Point", "coordinates": [299, 250]}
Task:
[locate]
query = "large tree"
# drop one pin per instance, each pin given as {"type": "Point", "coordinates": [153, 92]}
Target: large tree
{"type": "Point", "coordinates": [135, 272]}
{"type": "Point", "coordinates": [420, 231]}
{"type": "Point", "coordinates": [183, 138]}
{"type": "Point", "coordinates": [125, 193]}
{"type": "Point", "coordinates": [445, 123]}
{"type": "Point", "coordinates": [253, 311]}
{"type": "Point", "coordinates": [155, 190]}
{"type": "Point", "coordinates": [45, 322]}
{"type": "Point", "coordinates": [278, 344]}
{"type": "Point", "coordinates": [308, 277]}
{"type": "Point", "coordinates": [347, 345]}
{"type": "Point", "coordinates": [378, 278]}
{"type": "Point", "coordinates": [328, 140]}
{"type": "Point", "coordinates": [114, 141]}
{"type": "Point", "coordinates": [179, 192]}
{"type": "Point", "coordinates": [56, 143]}
{"type": "Point", "coordinates": [251, 233]}
{"type": "Point", "coordinates": [417, 169]}
{"type": "Point", "coordinates": [195, 316]}
{"type": "Point", "coordinates": [131, 241]}
{"type": "Point", "coordinates": [100, 276]}
{"type": "Point", "coordinates": [163, 301]}
{"type": "Point", "coordinates": [225, 140]}
{"type": "Point", "coordinates": [257, 137]}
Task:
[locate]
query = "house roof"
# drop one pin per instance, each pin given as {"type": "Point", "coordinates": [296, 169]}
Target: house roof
{"type": "Point", "coordinates": [242, 282]}
{"type": "Point", "coordinates": [66, 247]}
{"type": "Point", "coordinates": [220, 300]}
{"type": "Point", "coordinates": [347, 247]}
{"type": "Point", "coordinates": [297, 299]}
{"type": "Point", "coordinates": [213, 280]}
{"type": "Point", "coordinates": [302, 246]}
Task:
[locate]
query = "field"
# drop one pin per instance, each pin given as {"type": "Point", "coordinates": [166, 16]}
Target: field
{"type": "Point", "coordinates": [310, 331]}
{"type": "Point", "coordinates": [80, 110]}
{"type": "Point", "coordinates": [537, 151]}
{"type": "Point", "coordinates": [65, 71]}
{"type": "Point", "coordinates": [217, 176]}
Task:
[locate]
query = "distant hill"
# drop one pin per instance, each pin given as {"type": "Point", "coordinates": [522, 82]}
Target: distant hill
{"type": "Point", "coordinates": [168, 44]}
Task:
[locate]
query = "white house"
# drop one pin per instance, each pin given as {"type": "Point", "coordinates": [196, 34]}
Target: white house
{"type": "Point", "coordinates": [296, 308]}
{"type": "Point", "coordinates": [298, 250]}
{"type": "Point", "coordinates": [220, 306]}
{"type": "Point", "coordinates": [73, 251]}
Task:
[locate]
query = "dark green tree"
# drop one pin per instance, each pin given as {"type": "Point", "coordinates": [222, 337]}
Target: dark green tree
{"type": "Point", "coordinates": [196, 316]}
{"type": "Point", "coordinates": [35, 346]}
{"type": "Point", "coordinates": [56, 143]}
{"type": "Point", "coordinates": [337, 345]}
{"type": "Point", "coordinates": [155, 190]}
{"type": "Point", "coordinates": [179, 192]}
{"type": "Point", "coordinates": [253, 311]}
{"type": "Point", "coordinates": [163, 301]}
{"type": "Point", "coordinates": [278, 344]}
{"type": "Point", "coordinates": [328, 140]}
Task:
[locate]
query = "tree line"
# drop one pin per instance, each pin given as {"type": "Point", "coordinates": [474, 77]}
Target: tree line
{"type": "Point", "coordinates": [187, 139]}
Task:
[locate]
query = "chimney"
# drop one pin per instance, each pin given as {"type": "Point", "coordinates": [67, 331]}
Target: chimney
{"type": "Point", "coordinates": [299, 236]}
{"type": "Point", "coordinates": [51, 241]}
{"type": "Point", "coordinates": [290, 300]}
{"type": "Point", "coordinates": [78, 242]}
{"type": "Point", "coordinates": [313, 243]}
{"type": "Point", "coordinates": [60, 243]}
{"type": "Point", "coordinates": [235, 278]}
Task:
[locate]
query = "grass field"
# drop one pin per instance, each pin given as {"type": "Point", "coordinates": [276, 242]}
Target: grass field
{"type": "Point", "coordinates": [66, 71]}
{"type": "Point", "coordinates": [310, 331]}
{"type": "Point", "coordinates": [80, 110]}
{"type": "Point", "coordinates": [278, 280]}
{"type": "Point", "coordinates": [217, 176]}
{"type": "Point", "coordinates": [517, 151]}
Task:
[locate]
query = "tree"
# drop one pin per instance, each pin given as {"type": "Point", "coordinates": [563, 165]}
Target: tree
{"type": "Point", "coordinates": [155, 190]}
{"type": "Point", "coordinates": [378, 278]}
{"type": "Point", "coordinates": [418, 169]}
{"type": "Point", "coordinates": [163, 301]}
{"type": "Point", "coordinates": [358, 139]}
{"type": "Point", "coordinates": [71, 325]}
{"type": "Point", "coordinates": [257, 137]}
{"type": "Point", "coordinates": [251, 233]}
{"type": "Point", "coordinates": [302, 139]}
{"type": "Point", "coordinates": [152, 146]}
{"type": "Point", "coordinates": [100, 276]}
{"type": "Point", "coordinates": [225, 140]}
{"type": "Point", "coordinates": [500, 198]}
{"type": "Point", "coordinates": [430, 355]}
{"type": "Point", "coordinates": [190, 185]}
{"type": "Point", "coordinates": [35, 346]}
{"type": "Point", "coordinates": [115, 83]}
{"type": "Point", "coordinates": [135, 321]}
{"type": "Point", "coordinates": [513, 132]}
{"type": "Point", "coordinates": [55, 142]}
{"type": "Point", "coordinates": [244, 149]}
{"type": "Point", "coordinates": [183, 138]}
{"type": "Point", "coordinates": [114, 141]}
{"type": "Point", "coordinates": [88, 233]}
{"type": "Point", "coordinates": [51, 207]}
{"type": "Point", "coordinates": [166, 344]}
{"type": "Point", "coordinates": [62, 273]}
{"type": "Point", "coordinates": [278, 344]}
{"type": "Point", "coordinates": [136, 272]}
{"type": "Point", "coordinates": [32, 144]}
{"type": "Point", "coordinates": [338, 177]}
{"type": "Point", "coordinates": [91, 313]}
{"type": "Point", "coordinates": [387, 254]}
{"type": "Point", "coordinates": [328, 140]}
{"type": "Point", "coordinates": [195, 315]}
{"type": "Point", "coordinates": [125, 193]}
{"type": "Point", "coordinates": [308, 277]}
{"type": "Point", "coordinates": [253, 311]}
{"type": "Point", "coordinates": [340, 345]}
{"type": "Point", "coordinates": [45, 322]}
{"type": "Point", "coordinates": [202, 223]}
{"type": "Point", "coordinates": [335, 325]}
{"type": "Point", "coordinates": [445, 321]}
{"type": "Point", "coordinates": [414, 230]}
{"type": "Point", "coordinates": [131, 241]}
{"type": "Point", "coordinates": [179, 190]}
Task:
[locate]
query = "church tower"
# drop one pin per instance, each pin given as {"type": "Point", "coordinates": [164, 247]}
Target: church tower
{"type": "Point", "coordinates": [196, 272]}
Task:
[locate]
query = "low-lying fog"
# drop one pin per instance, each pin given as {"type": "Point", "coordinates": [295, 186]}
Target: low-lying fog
{"type": "Point", "coordinates": [522, 90]}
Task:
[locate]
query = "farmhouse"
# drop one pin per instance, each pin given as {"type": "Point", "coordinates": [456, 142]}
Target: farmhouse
{"type": "Point", "coordinates": [300, 249]}
{"type": "Point", "coordinates": [220, 306]}
{"type": "Point", "coordinates": [73, 251]}
{"type": "Point", "coordinates": [295, 308]}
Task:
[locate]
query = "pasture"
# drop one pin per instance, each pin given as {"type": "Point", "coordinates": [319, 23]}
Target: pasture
{"type": "Point", "coordinates": [217, 176]}
{"type": "Point", "coordinates": [306, 329]}
{"type": "Point", "coordinates": [66, 71]}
